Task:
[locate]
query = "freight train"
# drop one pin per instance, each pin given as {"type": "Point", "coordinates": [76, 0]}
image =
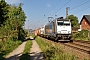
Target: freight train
{"type": "Point", "coordinates": [56, 30]}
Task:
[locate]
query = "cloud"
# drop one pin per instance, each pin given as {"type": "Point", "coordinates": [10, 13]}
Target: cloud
{"type": "Point", "coordinates": [12, 1]}
{"type": "Point", "coordinates": [48, 5]}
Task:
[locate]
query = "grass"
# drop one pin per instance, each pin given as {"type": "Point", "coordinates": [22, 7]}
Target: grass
{"type": "Point", "coordinates": [7, 47]}
{"type": "Point", "coordinates": [25, 54]}
{"type": "Point", "coordinates": [52, 51]}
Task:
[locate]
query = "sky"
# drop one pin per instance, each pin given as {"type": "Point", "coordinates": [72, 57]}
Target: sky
{"type": "Point", "coordinates": [38, 11]}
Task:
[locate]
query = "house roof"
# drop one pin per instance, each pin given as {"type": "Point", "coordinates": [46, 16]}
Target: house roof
{"type": "Point", "coordinates": [87, 17]}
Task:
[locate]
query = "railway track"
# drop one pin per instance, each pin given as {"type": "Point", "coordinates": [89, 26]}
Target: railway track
{"type": "Point", "coordinates": [81, 41]}
{"type": "Point", "coordinates": [83, 46]}
{"type": "Point", "coordinates": [79, 48]}
{"type": "Point", "coordinates": [85, 43]}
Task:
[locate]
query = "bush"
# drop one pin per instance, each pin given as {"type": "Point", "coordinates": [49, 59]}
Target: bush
{"type": "Point", "coordinates": [82, 35]}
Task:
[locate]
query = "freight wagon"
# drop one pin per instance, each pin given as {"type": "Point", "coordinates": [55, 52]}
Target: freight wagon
{"type": "Point", "coordinates": [42, 31]}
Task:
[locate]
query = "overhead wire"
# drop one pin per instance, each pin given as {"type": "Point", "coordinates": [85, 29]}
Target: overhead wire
{"type": "Point", "coordinates": [62, 7]}
{"type": "Point", "coordinates": [54, 6]}
{"type": "Point", "coordinates": [52, 9]}
{"type": "Point", "coordinates": [88, 7]}
{"type": "Point", "coordinates": [83, 8]}
{"type": "Point", "coordinates": [73, 7]}
{"type": "Point", "coordinates": [80, 5]}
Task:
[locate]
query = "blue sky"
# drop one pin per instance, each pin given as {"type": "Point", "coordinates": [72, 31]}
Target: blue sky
{"type": "Point", "coordinates": [38, 11]}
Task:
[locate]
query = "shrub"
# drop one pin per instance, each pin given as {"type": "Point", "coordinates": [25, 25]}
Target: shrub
{"type": "Point", "coordinates": [82, 35]}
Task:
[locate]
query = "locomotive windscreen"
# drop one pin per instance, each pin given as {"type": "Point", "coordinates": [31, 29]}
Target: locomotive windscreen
{"type": "Point", "coordinates": [60, 23]}
{"type": "Point", "coordinates": [63, 22]}
{"type": "Point", "coordinates": [66, 23]}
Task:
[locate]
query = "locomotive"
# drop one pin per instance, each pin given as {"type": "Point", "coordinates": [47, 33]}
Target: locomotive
{"type": "Point", "coordinates": [57, 29]}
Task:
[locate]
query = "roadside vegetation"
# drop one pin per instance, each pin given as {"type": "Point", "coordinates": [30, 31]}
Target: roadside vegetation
{"type": "Point", "coordinates": [53, 52]}
{"type": "Point", "coordinates": [8, 46]}
{"type": "Point", "coordinates": [25, 54]}
{"type": "Point", "coordinates": [12, 19]}
{"type": "Point", "coordinates": [82, 35]}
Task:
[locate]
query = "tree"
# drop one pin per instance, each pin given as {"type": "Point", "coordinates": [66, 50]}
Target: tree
{"type": "Point", "coordinates": [3, 11]}
{"type": "Point", "coordinates": [16, 20]}
{"type": "Point", "coordinates": [74, 21]}
{"type": "Point", "coordinates": [12, 19]}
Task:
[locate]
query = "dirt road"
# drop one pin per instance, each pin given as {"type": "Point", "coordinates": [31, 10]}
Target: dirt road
{"type": "Point", "coordinates": [15, 55]}
{"type": "Point", "coordinates": [35, 52]}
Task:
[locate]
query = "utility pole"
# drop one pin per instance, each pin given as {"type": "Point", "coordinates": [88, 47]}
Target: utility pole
{"type": "Point", "coordinates": [67, 12]}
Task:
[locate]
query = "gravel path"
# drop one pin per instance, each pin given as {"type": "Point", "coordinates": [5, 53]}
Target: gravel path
{"type": "Point", "coordinates": [35, 52]}
{"type": "Point", "coordinates": [15, 55]}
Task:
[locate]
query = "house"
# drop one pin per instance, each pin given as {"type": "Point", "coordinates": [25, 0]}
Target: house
{"type": "Point", "coordinates": [85, 22]}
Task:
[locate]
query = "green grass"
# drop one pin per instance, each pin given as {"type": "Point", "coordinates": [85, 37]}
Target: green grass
{"type": "Point", "coordinates": [7, 47]}
{"type": "Point", "coordinates": [52, 51]}
{"type": "Point", "coordinates": [25, 55]}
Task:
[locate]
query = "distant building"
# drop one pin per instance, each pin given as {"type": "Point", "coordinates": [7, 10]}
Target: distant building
{"type": "Point", "coordinates": [85, 22]}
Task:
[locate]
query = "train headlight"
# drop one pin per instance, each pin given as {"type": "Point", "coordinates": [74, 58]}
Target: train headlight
{"type": "Point", "coordinates": [59, 31]}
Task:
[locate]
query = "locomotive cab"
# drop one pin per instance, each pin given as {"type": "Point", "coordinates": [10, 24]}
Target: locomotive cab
{"type": "Point", "coordinates": [64, 29]}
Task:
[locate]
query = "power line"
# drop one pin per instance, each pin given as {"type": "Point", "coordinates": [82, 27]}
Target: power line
{"type": "Point", "coordinates": [80, 5]}
{"type": "Point", "coordinates": [52, 9]}
{"type": "Point", "coordinates": [55, 5]}
{"type": "Point", "coordinates": [71, 8]}
{"type": "Point", "coordinates": [61, 7]}
{"type": "Point", "coordinates": [88, 7]}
